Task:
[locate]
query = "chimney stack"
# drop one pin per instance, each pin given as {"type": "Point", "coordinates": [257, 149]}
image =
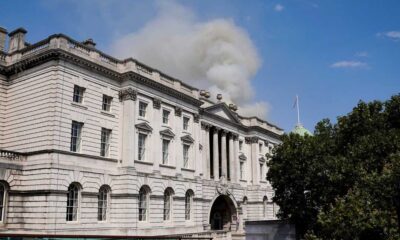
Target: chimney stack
{"type": "Point", "coordinates": [17, 40]}
{"type": "Point", "coordinates": [3, 36]}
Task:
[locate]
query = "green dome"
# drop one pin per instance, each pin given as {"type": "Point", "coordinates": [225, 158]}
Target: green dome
{"type": "Point", "coordinates": [299, 129]}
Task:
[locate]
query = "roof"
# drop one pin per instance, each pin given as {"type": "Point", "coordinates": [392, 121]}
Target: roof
{"type": "Point", "coordinates": [299, 129]}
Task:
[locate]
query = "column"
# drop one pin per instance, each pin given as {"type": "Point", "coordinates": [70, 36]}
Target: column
{"type": "Point", "coordinates": [156, 142]}
{"type": "Point", "coordinates": [232, 160]}
{"type": "Point", "coordinates": [215, 154]}
{"type": "Point", "coordinates": [128, 98]}
{"type": "Point", "coordinates": [254, 160]}
{"type": "Point", "coordinates": [236, 157]}
{"type": "Point", "coordinates": [205, 130]}
{"type": "Point", "coordinates": [207, 152]}
{"type": "Point", "coordinates": [224, 161]}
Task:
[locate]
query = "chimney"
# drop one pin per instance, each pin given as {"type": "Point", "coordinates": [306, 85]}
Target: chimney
{"type": "Point", "coordinates": [89, 43]}
{"type": "Point", "coordinates": [3, 36]}
{"type": "Point", "coordinates": [17, 40]}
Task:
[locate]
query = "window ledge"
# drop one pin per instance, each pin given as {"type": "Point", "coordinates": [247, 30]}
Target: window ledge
{"type": "Point", "coordinates": [167, 166]}
{"type": "Point", "coordinates": [144, 162]}
{"type": "Point", "coordinates": [79, 105]}
{"type": "Point", "coordinates": [187, 169]}
{"type": "Point", "coordinates": [107, 113]}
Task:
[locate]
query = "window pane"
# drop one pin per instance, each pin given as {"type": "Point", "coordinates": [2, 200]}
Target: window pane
{"type": "Point", "coordinates": [142, 109]}
{"type": "Point", "coordinates": [102, 204]}
{"type": "Point", "coordinates": [106, 103]}
{"type": "Point", "coordinates": [165, 116]}
{"type": "Point", "coordinates": [185, 156]}
{"type": "Point", "coordinates": [76, 130]}
{"type": "Point", "coordinates": [2, 201]}
{"type": "Point", "coordinates": [141, 146]}
{"type": "Point", "coordinates": [185, 123]}
{"type": "Point", "coordinates": [187, 206]}
{"type": "Point", "coordinates": [165, 151]}
{"type": "Point", "coordinates": [72, 203]}
{"type": "Point", "coordinates": [143, 205]}
{"type": "Point", "coordinates": [78, 94]}
{"type": "Point", "coordinates": [105, 142]}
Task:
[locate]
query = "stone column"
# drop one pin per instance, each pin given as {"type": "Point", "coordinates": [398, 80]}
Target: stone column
{"type": "Point", "coordinates": [254, 160]}
{"type": "Point", "coordinates": [207, 152]}
{"type": "Point", "coordinates": [215, 154]}
{"type": "Point", "coordinates": [224, 160]}
{"type": "Point", "coordinates": [236, 161]}
{"type": "Point", "coordinates": [232, 160]}
{"type": "Point", "coordinates": [128, 98]}
{"type": "Point", "coordinates": [156, 152]}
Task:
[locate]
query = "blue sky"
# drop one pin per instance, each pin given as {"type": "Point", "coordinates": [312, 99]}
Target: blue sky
{"type": "Point", "coordinates": [330, 53]}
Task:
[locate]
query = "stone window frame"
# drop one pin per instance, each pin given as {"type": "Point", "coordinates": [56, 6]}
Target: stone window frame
{"type": "Point", "coordinates": [78, 94]}
{"type": "Point", "coordinates": [103, 203]}
{"type": "Point", "coordinates": [144, 203]}
{"type": "Point", "coordinates": [189, 205]}
{"type": "Point", "coordinates": [168, 204]}
{"type": "Point", "coordinates": [168, 118]}
{"type": "Point", "coordinates": [106, 103]}
{"type": "Point", "coordinates": [73, 202]}
{"type": "Point", "coordinates": [143, 113]}
{"type": "Point", "coordinates": [4, 188]}
{"type": "Point", "coordinates": [165, 159]}
{"type": "Point", "coordinates": [76, 136]}
{"type": "Point", "coordinates": [186, 127]}
{"type": "Point", "coordinates": [105, 142]}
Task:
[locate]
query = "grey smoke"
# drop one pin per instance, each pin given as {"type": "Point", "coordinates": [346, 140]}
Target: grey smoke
{"type": "Point", "coordinates": [216, 55]}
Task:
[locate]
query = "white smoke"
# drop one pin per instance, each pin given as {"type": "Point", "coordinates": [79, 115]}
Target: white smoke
{"type": "Point", "coordinates": [216, 55]}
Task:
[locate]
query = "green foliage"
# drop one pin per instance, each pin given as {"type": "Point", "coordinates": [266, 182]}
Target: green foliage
{"type": "Point", "coordinates": [344, 181]}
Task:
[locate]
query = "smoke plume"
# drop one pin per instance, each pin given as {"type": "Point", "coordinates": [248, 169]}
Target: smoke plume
{"type": "Point", "coordinates": [216, 55]}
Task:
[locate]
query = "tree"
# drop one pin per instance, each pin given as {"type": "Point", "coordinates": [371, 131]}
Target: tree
{"type": "Point", "coordinates": [344, 181]}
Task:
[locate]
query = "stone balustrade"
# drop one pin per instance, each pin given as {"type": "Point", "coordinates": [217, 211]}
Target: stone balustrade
{"type": "Point", "coordinates": [60, 41]}
{"type": "Point", "coordinates": [10, 155]}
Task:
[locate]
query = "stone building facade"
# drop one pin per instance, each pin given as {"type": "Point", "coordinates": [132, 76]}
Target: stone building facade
{"type": "Point", "coordinates": [90, 144]}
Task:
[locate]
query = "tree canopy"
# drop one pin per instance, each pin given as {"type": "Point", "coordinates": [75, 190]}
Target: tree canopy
{"type": "Point", "coordinates": [343, 182]}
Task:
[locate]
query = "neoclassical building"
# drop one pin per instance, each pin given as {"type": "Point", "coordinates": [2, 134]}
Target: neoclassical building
{"type": "Point", "coordinates": [91, 144]}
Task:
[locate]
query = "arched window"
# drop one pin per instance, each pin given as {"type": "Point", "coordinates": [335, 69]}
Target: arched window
{"type": "Point", "coordinates": [73, 199]}
{"type": "Point", "coordinates": [144, 197]}
{"type": "Point", "coordinates": [3, 199]}
{"type": "Point", "coordinates": [265, 206]}
{"type": "Point", "coordinates": [188, 204]}
{"type": "Point", "coordinates": [103, 201]}
{"type": "Point", "coordinates": [168, 193]}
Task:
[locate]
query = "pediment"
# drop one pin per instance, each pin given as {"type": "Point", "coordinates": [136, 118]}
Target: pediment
{"type": "Point", "coordinates": [222, 110]}
{"type": "Point", "coordinates": [144, 126]}
{"type": "Point", "coordinates": [167, 133]}
{"type": "Point", "coordinates": [187, 138]}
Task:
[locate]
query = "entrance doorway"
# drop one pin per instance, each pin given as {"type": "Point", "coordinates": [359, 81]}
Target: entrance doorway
{"type": "Point", "coordinates": [223, 215]}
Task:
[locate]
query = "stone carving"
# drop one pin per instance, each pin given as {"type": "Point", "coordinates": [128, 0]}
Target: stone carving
{"type": "Point", "coordinates": [156, 103]}
{"type": "Point", "coordinates": [223, 189]}
{"type": "Point", "coordinates": [251, 140]}
{"type": "Point", "coordinates": [178, 111]}
{"type": "Point", "coordinates": [127, 94]}
{"type": "Point", "coordinates": [196, 118]}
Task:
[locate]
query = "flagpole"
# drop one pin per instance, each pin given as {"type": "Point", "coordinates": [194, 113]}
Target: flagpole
{"type": "Point", "coordinates": [298, 110]}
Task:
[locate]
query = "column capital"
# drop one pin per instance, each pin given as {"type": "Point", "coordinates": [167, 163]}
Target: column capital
{"type": "Point", "coordinates": [251, 139]}
{"type": "Point", "coordinates": [178, 111]}
{"type": "Point", "coordinates": [127, 94]}
{"type": "Point", "coordinates": [205, 126]}
{"type": "Point", "coordinates": [156, 103]}
{"type": "Point", "coordinates": [196, 118]}
{"type": "Point", "coordinates": [224, 132]}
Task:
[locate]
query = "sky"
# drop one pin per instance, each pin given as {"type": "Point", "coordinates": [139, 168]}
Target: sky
{"type": "Point", "coordinates": [259, 54]}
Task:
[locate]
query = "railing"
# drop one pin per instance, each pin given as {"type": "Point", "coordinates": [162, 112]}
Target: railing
{"type": "Point", "coordinates": [10, 155]}
{"type": "Point", "coordinates": [65, 42]}
{"type": "Point", "coordinates": [142, 68]}
{"type": "Point", "coordinates": [27, 51]}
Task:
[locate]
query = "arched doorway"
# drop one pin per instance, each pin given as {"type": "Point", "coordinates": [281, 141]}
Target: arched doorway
{"type": "Point", "coordinates": [223, 215]}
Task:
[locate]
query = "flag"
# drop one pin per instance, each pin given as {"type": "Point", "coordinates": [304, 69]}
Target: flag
{"type": "Point", "coordinates": [295, 102]}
